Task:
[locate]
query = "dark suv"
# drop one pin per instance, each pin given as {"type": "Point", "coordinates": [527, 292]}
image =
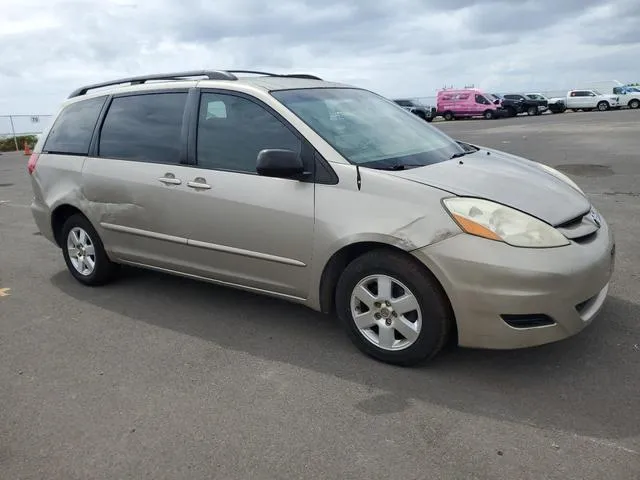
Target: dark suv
{"type": "Point", "coordinates": [423, 111]}
{"type": "Point", "coordinates": [532, 104]}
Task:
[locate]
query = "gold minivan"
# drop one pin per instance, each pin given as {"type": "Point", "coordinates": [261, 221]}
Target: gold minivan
{"type": "Point", "coordinates": [323, 194]}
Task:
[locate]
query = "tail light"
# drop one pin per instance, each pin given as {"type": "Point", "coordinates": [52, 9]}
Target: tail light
{"type": "Point", "coordinates": [31, 164]}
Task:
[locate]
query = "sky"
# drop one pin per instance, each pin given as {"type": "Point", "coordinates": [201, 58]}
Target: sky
{"type": "Point", "coordinates": [399, 48]}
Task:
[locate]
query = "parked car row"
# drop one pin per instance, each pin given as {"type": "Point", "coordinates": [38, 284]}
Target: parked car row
{"type": "Point", "coordinates": [473, 102]}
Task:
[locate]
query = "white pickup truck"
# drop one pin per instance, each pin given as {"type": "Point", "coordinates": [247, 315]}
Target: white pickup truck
{"type": "Point", "coordinates": [585, 100]}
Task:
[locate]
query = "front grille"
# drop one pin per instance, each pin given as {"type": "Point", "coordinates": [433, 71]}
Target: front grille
{"type": "Point", "coordinates": [580, 229]}
{"type": "Point", "coordinates": [528, 320]}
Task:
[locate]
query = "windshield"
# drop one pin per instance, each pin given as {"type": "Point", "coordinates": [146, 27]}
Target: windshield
{"type": "Point", "coordinates": [367, 129]}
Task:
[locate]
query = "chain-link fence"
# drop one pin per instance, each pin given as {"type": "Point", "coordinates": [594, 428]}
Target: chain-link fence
{"type": "Point", "coordinates": [16, 129]}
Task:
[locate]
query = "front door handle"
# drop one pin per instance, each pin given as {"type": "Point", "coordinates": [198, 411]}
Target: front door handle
{"type": "Point", "coordinates": [170, 179]}
{"type": "Point", "coordinates": [199, 183]}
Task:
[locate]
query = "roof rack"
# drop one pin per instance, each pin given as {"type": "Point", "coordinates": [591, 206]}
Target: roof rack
{"type": "Point", "coordinates": [210, 74]}
{"type": "Point", "coordinates": [285, 75]}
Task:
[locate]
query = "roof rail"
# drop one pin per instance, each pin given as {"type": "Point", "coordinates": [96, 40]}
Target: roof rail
{"type": "Point", "coordinates": [269, 74]}
{"type": "Point", "coordinates": [210, 74]}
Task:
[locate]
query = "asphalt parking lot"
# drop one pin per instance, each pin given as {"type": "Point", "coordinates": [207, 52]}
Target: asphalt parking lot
{"type": "Point", "coordinates": [164, 378]}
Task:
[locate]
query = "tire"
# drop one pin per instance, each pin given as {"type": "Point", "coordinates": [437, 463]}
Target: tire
{"type": "Point", "coordinates": [448, 116]}
{"type": "Point", "coordinates": [634, 103]}
{"type": "Point", "coordinates": [429, 119]}
{"type": "Point", "coordinates": [532, 111]}
{"type": "Point", "coordinates": [421, 115]}
{"type": "Point", "coordinates": [80, 265]}
{"type": "Point", "coordinates": [603, 106]}
{"type": "Point", "coordinates": [511, 112]}
{"type": "Point", "coordinates": [432, 317]}
{"type": "Point", "coordinates": [488, 115]}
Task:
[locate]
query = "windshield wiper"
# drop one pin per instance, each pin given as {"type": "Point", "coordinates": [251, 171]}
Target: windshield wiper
{"type": "Point", "coordinates": [459, 154]}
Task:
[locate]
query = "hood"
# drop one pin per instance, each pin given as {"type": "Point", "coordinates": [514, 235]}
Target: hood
{"type": "Point", "coordinates": [513, 181]}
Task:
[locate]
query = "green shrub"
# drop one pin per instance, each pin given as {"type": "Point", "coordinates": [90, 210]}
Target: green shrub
{"type": "Point", "coordinates": [7, 144]}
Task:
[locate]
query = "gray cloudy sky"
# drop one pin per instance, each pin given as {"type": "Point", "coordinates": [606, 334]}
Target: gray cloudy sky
{"type": "Point", "coordinates": [396, 47]}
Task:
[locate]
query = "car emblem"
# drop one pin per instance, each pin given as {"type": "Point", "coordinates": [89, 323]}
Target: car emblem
{"type": "Point", "coordinates": [595, 216]}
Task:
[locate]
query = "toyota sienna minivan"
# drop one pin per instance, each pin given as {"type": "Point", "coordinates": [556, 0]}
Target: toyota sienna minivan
{"type": "Point", "coordinates": [326, 195]}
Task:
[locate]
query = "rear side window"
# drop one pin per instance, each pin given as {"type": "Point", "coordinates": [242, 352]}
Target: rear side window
{"type": "Point", "coordinates": [144, 128]}
{"type": "Point", "coordinates": [72, 131]}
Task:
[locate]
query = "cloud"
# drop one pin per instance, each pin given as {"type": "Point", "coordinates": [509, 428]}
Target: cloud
{"type": "Point", "coordinates": [395, 47]}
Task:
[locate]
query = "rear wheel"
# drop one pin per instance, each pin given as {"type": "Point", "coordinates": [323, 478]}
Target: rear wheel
{"type": "Point", "coordinates": [84, 253]}
{"type": "Point", "coordinates": [634, 103]}
{"type": "Point", "coordinates": [603, 106]}
{"type": "Point", "coordinates": [532, 111]}
{"type": "Point", "coordinates": [448, 116]}
{"type": "Point", "coordinates": [511, 112]}
{"type": "Point", "coordinates": [392, 309]}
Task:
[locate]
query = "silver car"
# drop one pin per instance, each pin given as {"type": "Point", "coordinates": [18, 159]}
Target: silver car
{"type": "Point", "coordinates": [326, 195]}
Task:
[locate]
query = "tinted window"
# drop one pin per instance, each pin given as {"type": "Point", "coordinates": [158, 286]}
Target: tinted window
{"type": "Point", "coordinates": [72, 131]}
{"type": "Point", "coordinates": [233, 139]}
{"type": "Point", "coordinates": [144, 128]}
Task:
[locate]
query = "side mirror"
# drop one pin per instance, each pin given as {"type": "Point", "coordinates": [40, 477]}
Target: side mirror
{"type": "Point", "coordinates": [279, 163]}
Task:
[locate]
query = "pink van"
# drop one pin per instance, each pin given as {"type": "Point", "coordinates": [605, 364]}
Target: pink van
{"type": "Point", "coordinates": [468, 102]}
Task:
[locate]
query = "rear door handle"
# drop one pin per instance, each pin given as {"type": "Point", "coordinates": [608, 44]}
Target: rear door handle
{"type": "Point", "coordinates": [199, 183]}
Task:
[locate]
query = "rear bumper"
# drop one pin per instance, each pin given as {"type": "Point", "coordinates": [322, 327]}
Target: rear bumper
{"type": "Point", "coordinates": [490, 282]}
{"type": "Point", "coordinates": [42, 218]}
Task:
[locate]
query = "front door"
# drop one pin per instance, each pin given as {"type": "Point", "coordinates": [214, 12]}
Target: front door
{"type": "Point", "coordinates": [247, 229]}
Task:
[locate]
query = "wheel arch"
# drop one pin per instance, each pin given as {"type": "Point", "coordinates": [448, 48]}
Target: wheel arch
{"type": "Point", "coordinates": [347, 253]}
{"type": "Point", "coordinates": [59, 215]}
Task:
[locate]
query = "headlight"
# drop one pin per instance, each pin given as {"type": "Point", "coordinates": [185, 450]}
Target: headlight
{"type": "Point", "coordinates": [561, 176]}
{"type": "Point", "coordinates": [498, 222]}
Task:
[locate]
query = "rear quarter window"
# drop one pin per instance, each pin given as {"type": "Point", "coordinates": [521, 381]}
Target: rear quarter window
{"type": "Point", "coordinates": [72, 131]}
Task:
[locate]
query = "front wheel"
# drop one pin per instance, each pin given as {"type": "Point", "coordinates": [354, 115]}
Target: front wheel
{"type": "Point", "coordinates": [84, 253]}
{"type": "Point", "coordinates": [392, 309]}
{"type": "Point", "coordinates": [603, 106]}
{"type": "Point", "coordinates": [488, 114]}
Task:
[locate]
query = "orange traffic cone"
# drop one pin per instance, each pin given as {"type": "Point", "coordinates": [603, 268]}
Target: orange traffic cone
{"type": "Point", "coordinates": [27, 149]}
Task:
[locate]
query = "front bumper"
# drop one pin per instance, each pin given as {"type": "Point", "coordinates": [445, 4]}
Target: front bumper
{"type": "Point", "coordinates": [486, 280]}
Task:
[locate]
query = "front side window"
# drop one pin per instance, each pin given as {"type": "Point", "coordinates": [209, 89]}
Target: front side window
{"type": "Point", "coordinates": [232, 130]}
{"type": "Point", "coordinates": [144, 128]}
{"type": "Point", "coordinates": [480, 99]}
{"type": "Point", "coordinates": [72, 131]}
{"type": "Point", "coordinates": [367, 129]}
